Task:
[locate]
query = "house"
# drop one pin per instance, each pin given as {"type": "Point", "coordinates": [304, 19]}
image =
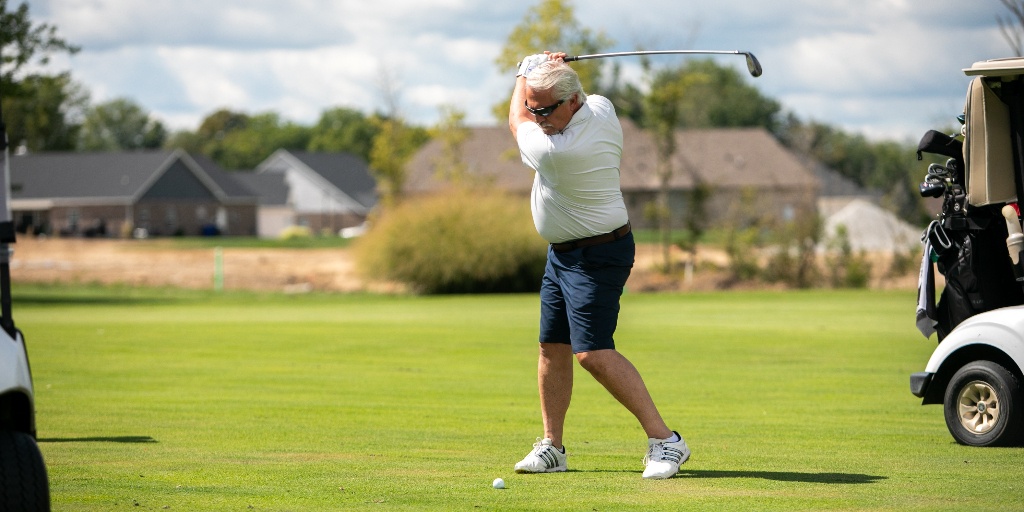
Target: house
{"type": "Point", "coordinates": [837, 191]}
{"type": "Point", "coordinates": [168, 192]}
{"type": "Point", "coordinates": [750, 176]}
{"type": "Point", "coordinates": [748, 173]}
{"type": "Point", "coordinates": [868, 227]}
{"type": "Point", "coordinates": [274, 214]}
{"type": "Point", "coordinates": [325, 192]}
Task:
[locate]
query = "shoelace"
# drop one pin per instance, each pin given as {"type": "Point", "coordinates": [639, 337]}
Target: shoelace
{"type": "Point", "coordinates": [658, 452]}
{"type": "Point", "coordinates": [651, 453]}
{"type": "Point", "coordinates": [542, 452]}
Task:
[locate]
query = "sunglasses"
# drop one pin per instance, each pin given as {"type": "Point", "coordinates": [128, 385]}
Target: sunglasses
{"type": "Point", "coordinates": [544, 111]}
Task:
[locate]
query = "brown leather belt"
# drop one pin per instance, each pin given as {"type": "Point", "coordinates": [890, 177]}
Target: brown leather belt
{"type": "Point", "coordinates": [591, 240]}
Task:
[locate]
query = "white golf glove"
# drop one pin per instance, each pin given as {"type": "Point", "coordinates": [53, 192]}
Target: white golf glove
{"type": "Point", "coordinates": [531, 62]}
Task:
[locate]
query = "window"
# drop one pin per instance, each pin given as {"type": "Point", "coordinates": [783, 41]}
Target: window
{"type": "Point", "coordinates": [170, 217]}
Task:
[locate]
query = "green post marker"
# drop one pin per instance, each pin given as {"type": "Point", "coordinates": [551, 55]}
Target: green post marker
{"type": "Point", "coordinates": [218, 269]}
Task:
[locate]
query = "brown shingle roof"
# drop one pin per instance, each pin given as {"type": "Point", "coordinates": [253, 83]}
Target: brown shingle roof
{"type": "Point", "coordinates": [489, 153]}
{"type": "Point", "coordinates": [724, 158]}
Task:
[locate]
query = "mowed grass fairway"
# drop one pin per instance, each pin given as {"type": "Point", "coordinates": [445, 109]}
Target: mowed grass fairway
{"type": "Point", "coordinates": [152, 400]}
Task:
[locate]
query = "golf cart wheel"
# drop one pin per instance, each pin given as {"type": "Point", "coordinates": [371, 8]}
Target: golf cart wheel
{"type": "Point", "coordinates": [23, 485]}
{"type": "Point", "coordinates": [983, 405]}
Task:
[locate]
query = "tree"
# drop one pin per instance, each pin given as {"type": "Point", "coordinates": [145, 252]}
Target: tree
{"type": "Point", "coordinates": [662, 111]}
{"type": "Point", "coordinates": [716, 97]}
{"type": "Point", "coordinates": [235, 140]}
{"type": "Point", "coordinates": [218, 124]}
{"type": "Point", "coordinates": [888, 166]}
{"type": "Point", "coordinates": [551, 25]}
{"type": "Point", "coordinates": [697, 94]}
{"type": "Point", "coordinates": [187, 140]}
{"type": "Point", "coordinates": [452, 133]}
{"type": "Point", "coordinates": [261, 135]}
{"type": "Point", "coordinates": [1012, 26]}
{"type": "Point", "coordinates": [47, 114]}
{"type": "Point", "coordinates": [41, 111]}
{"type": "Point", "coordinates": [392, 148]}
{"type": "Point", "coordinates": [694, 94]}
{"type": "Point", "coordinates": [20, 42]}
{"type": "Point", "coordinates": [343, 130]}
{"type": "Point", "coordinates": [208, 139]}
{"type": "Point", "coordinates": [394, 143]}
{"type": "Point", "coordinates": [265, 134]}
{"type": "Point", "coordinates": [695, 219]}
{"type": "Point", "coordinates": [120, 124]}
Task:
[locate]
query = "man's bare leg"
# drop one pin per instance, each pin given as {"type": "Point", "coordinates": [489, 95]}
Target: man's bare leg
{"type": "Point", "coordinates": [554, 380]}
{"type": "Point", "coordinates": [624, 382]}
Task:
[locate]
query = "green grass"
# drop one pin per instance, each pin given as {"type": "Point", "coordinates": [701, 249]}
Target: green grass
{"type": "Point", "coordinates": [170, 400]}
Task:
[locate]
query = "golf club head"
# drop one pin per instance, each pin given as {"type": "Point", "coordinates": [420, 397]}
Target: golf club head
{"type": "Point", "coordinates": [753, 65]}
{"type": "Point", "coordinates": [932, 189]}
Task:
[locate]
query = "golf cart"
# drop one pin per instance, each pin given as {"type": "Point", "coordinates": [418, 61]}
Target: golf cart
{"type": "Point", "coordinates": [23, 483]}
{"type": "Point", "coordinates": [976, 243]}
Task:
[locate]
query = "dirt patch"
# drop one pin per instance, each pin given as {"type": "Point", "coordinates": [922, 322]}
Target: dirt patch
{"type": "Point", "coordinates": [149, 263]}
{"type": "Point", "coordinates": [711, 272]}
{"type": "Point", "coordinates": [136, 263]}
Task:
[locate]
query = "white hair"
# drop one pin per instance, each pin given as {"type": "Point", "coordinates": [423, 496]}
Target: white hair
{"type": "Point", "coordinates": [559, 78]}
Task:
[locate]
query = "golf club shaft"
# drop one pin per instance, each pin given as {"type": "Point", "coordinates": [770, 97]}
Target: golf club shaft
{"type": "Point", "coordinates": [753, 65]}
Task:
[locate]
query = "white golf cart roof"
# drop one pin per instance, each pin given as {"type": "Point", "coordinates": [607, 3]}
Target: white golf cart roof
{"type": "Point", "coordinates": [997, 67]}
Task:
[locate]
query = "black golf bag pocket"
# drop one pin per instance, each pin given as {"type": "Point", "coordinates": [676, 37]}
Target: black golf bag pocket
{"type": "Point", "coordinates": [959, 300]}
{"type": "Point", "coordinates": [978, 275]}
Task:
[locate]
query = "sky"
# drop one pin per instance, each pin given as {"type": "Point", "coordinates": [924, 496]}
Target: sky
{"type": "Point", "coordinates": [888, 69]}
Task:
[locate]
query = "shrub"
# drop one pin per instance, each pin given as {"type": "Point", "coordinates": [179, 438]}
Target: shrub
{"type": "Point", "coordinates": [463, 241]}
{"type": "Point", "coordinates": [904, 261]}
{"type": "Point", "coordinates": [295, 233]}
{"type": "Point", "coordinates": [794, 261]}
{"type": "Point", "coordinates": [847, 269]}
{"type": "Point", "coordinates": [858, 272]}
{"type": "Point", "coordinates": [741, 246]}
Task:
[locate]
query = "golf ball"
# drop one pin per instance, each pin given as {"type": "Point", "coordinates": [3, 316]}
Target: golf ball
{"type": "Point", "coordinates": [498, 483]}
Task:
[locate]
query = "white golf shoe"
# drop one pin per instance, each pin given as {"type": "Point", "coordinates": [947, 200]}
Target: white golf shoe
{"type": "Point", "coordinates": [664, 458]}
{"type": "Point", "coordinates": [544, 458]}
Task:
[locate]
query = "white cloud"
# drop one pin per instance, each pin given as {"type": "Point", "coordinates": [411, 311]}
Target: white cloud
{"type": "Point", "coordinates": [105, 24]}
{"type": "Point", "coordinates": [880, 66]}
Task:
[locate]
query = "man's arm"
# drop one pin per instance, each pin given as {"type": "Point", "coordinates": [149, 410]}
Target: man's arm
{"type": "Point", "coordinates": [517, 113]}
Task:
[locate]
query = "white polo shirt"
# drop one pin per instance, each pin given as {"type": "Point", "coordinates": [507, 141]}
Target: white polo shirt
{"type": "Point", "coordinates": [576, 190]}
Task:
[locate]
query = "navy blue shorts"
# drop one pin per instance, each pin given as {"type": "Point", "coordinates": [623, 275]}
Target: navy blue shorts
{"type": "Point", "coordinates": [579, 295]}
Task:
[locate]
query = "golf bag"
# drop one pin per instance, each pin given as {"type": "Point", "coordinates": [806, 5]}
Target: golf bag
{"type": "Point", "coordinates": [968, 241]}
{"type": "Point", "coordinates": [974, 263]}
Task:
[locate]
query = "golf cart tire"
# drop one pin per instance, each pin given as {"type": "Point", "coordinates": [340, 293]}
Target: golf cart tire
{"type": "Point", "coordinates": [983, 405]}
{"type": "Point", "coordinates": [23, 484]}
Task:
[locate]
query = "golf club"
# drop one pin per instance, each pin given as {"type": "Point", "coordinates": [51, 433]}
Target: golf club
{"type": "Point", "coordinates": [752, 63]}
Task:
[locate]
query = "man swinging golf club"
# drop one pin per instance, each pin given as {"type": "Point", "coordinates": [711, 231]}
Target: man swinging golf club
{"type": "Point", "coordinates": [574, 143]}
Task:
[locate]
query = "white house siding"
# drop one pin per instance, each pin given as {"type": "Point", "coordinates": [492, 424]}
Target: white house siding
{"type": "Point", "coordinates": [310, 197]}
{"type": "Point", "coordinates": [272, 220]}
